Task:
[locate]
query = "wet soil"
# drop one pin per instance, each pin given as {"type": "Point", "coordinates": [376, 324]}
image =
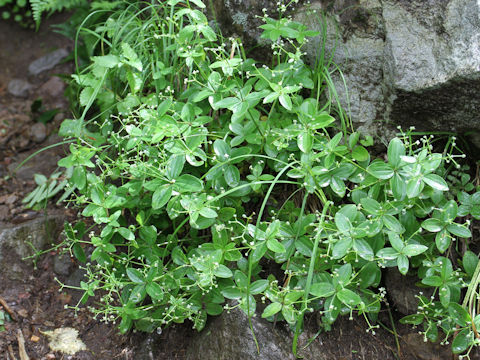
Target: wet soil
{"type": "Point", "coordinates": [34, 302]}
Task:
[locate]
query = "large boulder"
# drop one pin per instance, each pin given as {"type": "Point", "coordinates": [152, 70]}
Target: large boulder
{"type": "Point", "coordinates": [404, 62]}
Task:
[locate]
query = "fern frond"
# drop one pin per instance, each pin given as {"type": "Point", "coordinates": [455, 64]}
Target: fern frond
{"type": "Point", "coordinates": [41, 6]}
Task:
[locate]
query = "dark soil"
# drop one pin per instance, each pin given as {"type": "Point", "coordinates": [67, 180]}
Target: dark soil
{"type": "Point", "coordinates": [35, 303]}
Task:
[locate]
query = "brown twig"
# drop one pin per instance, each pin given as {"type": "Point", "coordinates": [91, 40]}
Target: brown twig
{"type": "Point", "coordinates": [10, 351]}
{"type": "Point", "coordinates": [21, 346]}
{"type": "Point", "coordinates": [8, 309]}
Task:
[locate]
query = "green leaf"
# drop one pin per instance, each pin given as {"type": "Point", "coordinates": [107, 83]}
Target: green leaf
{"type": "Point", "coordinates": [178, 256]}
{"type": "Point", "coordinates": [108, 61]}
{"type": "Point", "coordinates": [433, 280]}
{"type": "Point", "coordinates": [459, 314]}
{"type": "Point", "coordinates": [442, 240]}
{"type": "Point", "coordinates": [320, 121]}
{"type": "Point", "coordinates": [223, 272]}
{"type": "Point", "coordinates": [154, 291]}
{"type": "Point", "coordinates": [413, 319]}
{"type": "Point", "coordinates": [450, 211]}
{"type": "Point", "coordinates": [396, 149]}
{"type": "Point", "coordinates": [85, 95]}
{"type": "Point", "coordinates": [258, 286]}
{"type": "Point", "coordinates": [436, 182]}
{"type": "Point", "coordinates": [349, 298]}
{"type": "Point", "coordinates": [392, 224]}
{"type": "Point", "coordinates": [371, 206]}
{"type": "Point", "coordinates": [175, 166]}
{"type": "Point", "coordinates": [126, 233]}
{"type": "Point", "coordinates": [341, 248]}
{"type": "Point", "coordinates": [208, 212]}
{"type": "Point", "coordinates": [462, 341]}
{"type": "Point", "coordinates": [131, 56]}
{"type": "Point", "coordinates": [402, 263]}
{"type": "Point", "coordinates": [380, 170]}
{"type": "Point", "coordinates": [222, 150]}
{"type": "Point", "coordinates": [232, 293]}
{"type": "Point", "coordinates": [188, 183]}
{"type": "Point", "coordinates": [398, 186]}
{"type": "Point", "coordinates": [79, 177]}
{"type": "Point", "coordinates": [161, 196]}
{"type": "Point", "coordinates": [459, 230]}
{"type": "Point", "coordinates": [198, 3]}
{"type": "Point", "coordinates": [432, 225]}
{"type": "Point", "coordinates": [138, 294]}
{"type": "Point", "coordinates": [305, 141]}
{"type": "Point", "coordinates": [338, 186]}
{"type": "Point", "coordinates": [275, 246]}
{"type": "Point", "coordinates": [360, 153]}
{"type": "Point", "coordinates": [470, 262]}
{"type": "Point", "coordinates": [125, 324]}
{"type": "Point", "coordinates": [232, 175]}
{"type": "Point", "coordinates": [432, 331]}
{"type": "Point", "coordinates": [387, 253]}
{"type": "Point", "coordinates": [79, 253]}
{"type": "Point", "coordinates": [396, 241]}
{"type": "Point", "coordinates": [229, 103]}
{"type": "Point", "coordinates": [322, 289]}
{"type": "Point", "coordinates": [414, 249]}
{"type": "Point", "coordinates": [135, 275]}
{"type": "Point", "coordinates": [213, 309]}
{"type": "Point", "coordinates": [444, 294]}
{"type": "Point", "coordinates": [363, 249]}
{"type": "Point", "coordinates": [343, 223]}
{"type": "Point", "coordinates": [414, 187]}
{"type": "Point", "coordinates": [285, 101]}
{"type": "Point", "coordinates": [259, 252]}
{"type": "Point", "coordinates": [271, 309]}
{"type": "Point", "coordinates": [344, 273]}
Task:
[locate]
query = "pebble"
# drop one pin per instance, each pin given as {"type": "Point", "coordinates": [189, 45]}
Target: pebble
{"type": "Point", "coordinates": [23, 313]}
{"type": "Point", "coordinates": [53, 87]}
{"type": "Point", "coordinates": [38, 132]}
{"type": "Point", "coordinates": [4, 212]}
{"type": "Point", "coordinates": [34, 338]}
{"type": "Point", "coordinates": [62, 264]}
{"type": "Point", "coordinates": [47, 62]}
{"type": "Point", "coordinates": [59, 118]}
{"type": "Point", "coordinates": [19, 87]}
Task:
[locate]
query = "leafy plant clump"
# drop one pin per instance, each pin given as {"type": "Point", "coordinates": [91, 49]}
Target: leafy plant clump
{"type": "Point", "coordinates": [16, 10]}
{"type": "Point", "coordinates": [201, 170]}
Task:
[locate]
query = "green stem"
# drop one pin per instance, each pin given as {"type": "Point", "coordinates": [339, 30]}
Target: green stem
{"type": "Point", "coordinates": [311, 268]}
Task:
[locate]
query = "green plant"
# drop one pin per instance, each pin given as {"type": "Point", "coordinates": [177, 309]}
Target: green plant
{"type": "Point", "coordinates": [201, 169]}
{"type": "Point", "coordinates": [2, 320]}
{"type": "Point", "coordinates": [16, 10]}
{"type": "Point", "coordinates": [41, 6]}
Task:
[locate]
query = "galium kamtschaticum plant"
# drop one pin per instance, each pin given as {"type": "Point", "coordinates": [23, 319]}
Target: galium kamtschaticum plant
{"type": "Point", "coordinates": [198, 169]}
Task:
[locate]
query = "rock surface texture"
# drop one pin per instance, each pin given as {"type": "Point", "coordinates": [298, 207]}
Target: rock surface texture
{"type": "Point", "coordinates": [19, 241]}
{"type": "Point", "coordinates": [408, 63]}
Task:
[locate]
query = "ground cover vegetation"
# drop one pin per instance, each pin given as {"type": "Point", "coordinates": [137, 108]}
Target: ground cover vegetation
{"type": "Point", "coordinates": [211, 181]}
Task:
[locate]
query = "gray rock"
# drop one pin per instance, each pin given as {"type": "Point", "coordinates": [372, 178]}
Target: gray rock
{"type": "Point", "coordinates": [402, 291]}
{"type": "Point", "coordinates": [21, 241]}
{"type": "Point", "coordinates": [44, 163]}
{"type": "Point", "coordinates": [78, 275]}
{"type": "Point", "coordinates": [404, 62]}
{"type": "Point", "coordinates": [38, 132]}
{"type": "Point", "coordinates": [47, 62]}
{"type": "Point", "coordinates": [229, 337]}
{"type": "Point", "coordinates": [62, 264]}
{"type": "Point", "coordinates": [19, 87]}
{"type": "Point", "coordinates": [432, 59]}
{"type": "Point", "coordinates": [53, 87]}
